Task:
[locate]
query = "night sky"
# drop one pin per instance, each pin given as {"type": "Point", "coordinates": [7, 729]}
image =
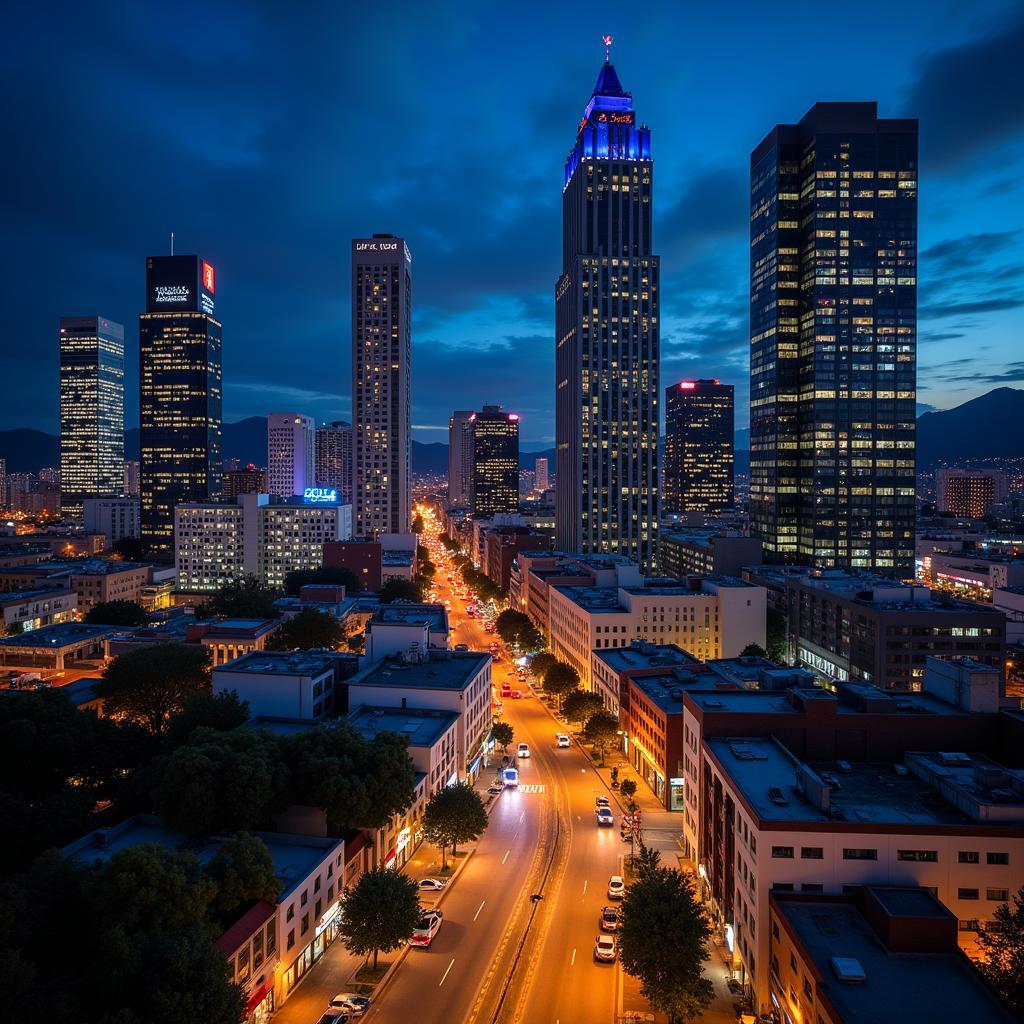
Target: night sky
{"type": "Point", "coordinates": [267, 135]}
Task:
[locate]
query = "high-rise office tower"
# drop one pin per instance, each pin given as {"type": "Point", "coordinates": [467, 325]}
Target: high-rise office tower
{"type": "Point", "coordinates": [495, 481]}
{"type": "Point", "coordinates": [334, 458]}
{"type": "Point", "coordinates": [458, 459]}
{"type": "Point", "coordinates": [606, 334]}
{"type": "Point", "coordinates": [291, 438]}
{"type": "Point", "coordinates": [131, 478]}
{"type": "Point", "coordinates": [699, 428]}
{"type": "Point", "coordinates": [381, 401]}
{"type": "Point", "coordinates": [833, 339]}
{"type": "Point", "coordinates": [540, 474]}
{"type": "Point", "coordinates": [179, 394]}
{"type": "Point", "coordinates": [249, 480]}
{"type": "Point", "coordinates": [91, 410]}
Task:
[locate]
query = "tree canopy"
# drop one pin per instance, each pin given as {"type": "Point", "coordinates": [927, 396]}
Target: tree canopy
{"type": "Point", "coordinates": [580, 705]}
{"type": "Point", "coordinates": [503, 734]}
{"type": "Point", "coordinates": [753, 651]}
{"type": "Point", "coordinates": [242, 870]}
{"type": "Point", "coordinates": [628, 789]}
{"type": "Point", "coordinates": [117, 613]}
{"type": "Point", "coordinates": [244, 598]}
{"type": "Point", "coordinates": [516, 628]}
{"type": "Point", "coordinates": [417, 524]}
{"type": "Point", "coordinates": [308, 629]}
{"type": "Point", "coordinates": [775, 636]}
{"type": "Point", "coordinates": [299, 578]}
{"type": "Point", "coordinates": [560, 678]}
{"type": "Point", "coordinates": [541, 663]}
{"type": "Point", "coordinates": [129, 548]}
{"type": "Point", "coordinates": [602, 730]}
{"type": "Point", "coordinates": [148, 684]}
{"type": "Point", "coordinates": [454, 815]}
{"type": "Point", "coordinates": [379, 913]}
{"type": "Point", "coordinates": [1002, 948]}
{"type": "Point", "coordinates": [221, 712]}
{"type": "Point", "coordinates": [400, 590]}
{"type": "Point", "coordinates": [662, 902]}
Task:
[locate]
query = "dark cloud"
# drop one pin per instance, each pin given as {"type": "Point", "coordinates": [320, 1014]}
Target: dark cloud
{"type": "Point", "coordinates": [939, 310]}
{"type": "Point", "coordinates": [954, 254]}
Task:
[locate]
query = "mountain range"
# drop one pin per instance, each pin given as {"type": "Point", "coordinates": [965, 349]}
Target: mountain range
{"type": "Point", "coordinates": [990, 426]}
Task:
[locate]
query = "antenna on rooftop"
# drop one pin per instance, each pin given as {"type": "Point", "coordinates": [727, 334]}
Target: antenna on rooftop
{"type": "Point", "coordinates": [608, 40]}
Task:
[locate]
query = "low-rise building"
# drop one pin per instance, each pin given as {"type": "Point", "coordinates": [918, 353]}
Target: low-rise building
{"type": "Point", "coordinates": [1010, 601]}
{"type": "Point", "coordinates": [60, 542]}
{"type": "Point", "coordinates": [404, 627]}
{"type": "Point", "coordinates": [706, 552]}
{"type": "Point", "coordinates": [23, 553]}
{"type": "Point", "coordinates": [30, 609]}
{"type": "Point", "coordinates": [94, 580]}
{"type": "Point", "coordinates": [501, 545]}
{"type": "Point", "coordinates": [114, 518]}
{"type": "Point", "coordinates": [360, 556]}
{"type": "Point", "coordinates": [972, 575]}
{"type": "Point", "coordinates": [885, 954]}
{"type": "Point", "coordinates": [250, 945]}
{"type": "Point", "coordinates": [57, 648]}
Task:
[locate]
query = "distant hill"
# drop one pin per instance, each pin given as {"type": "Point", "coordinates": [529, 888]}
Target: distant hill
{"type": "Point", "coordinates": [991, 425]}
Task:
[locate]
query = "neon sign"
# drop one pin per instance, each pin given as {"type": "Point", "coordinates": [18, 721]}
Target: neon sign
{"type": "Point", "coordinates": [320, 495]}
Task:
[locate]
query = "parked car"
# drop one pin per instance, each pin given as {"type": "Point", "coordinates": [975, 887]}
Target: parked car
{"type": "Point", "coordinates": [609, 919]}
{"type": "Point", "coordinates": [616, 887]}
{"type": "Point", "coordinates": [432, 884]}
{"type": "Point", "coordinates": [335, 1015]}
{"type": "Point", "coordinates": [605, 816]}
{"type": "Point", "coordinates": [603, 801]}
{"type": "Point", "coordinates": [604, 949]}
{"type": "Point", "coordinates": [351, 1002]}
{"type": "Point", "coordinates": [430, 924]}
{"type": "Point", "coordinates": [523, 750]}
{"type": "Point", "coordinates": [495, 787]}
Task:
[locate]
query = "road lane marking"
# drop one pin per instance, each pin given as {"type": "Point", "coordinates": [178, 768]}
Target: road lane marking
{"type": "Point", "coordinates": [521, 816]}
{"type": "Point", "coordinates": [572, 962]}
{"type": "Point", "coordinates": [445, 975]}
{"type": "Point", "coordinates": [584, 887]}
{"type": "Point", "coordinates": [478, 909]}
{"type": "Point", "coordinates": [515, 836]}
{"type": "Point", "coordinates": [505, 858]}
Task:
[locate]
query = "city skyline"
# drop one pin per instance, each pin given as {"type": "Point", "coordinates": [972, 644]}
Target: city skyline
{"type": "Point", "coordinates": [499, 319]}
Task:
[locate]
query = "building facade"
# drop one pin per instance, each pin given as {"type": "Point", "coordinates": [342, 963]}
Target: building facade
{"type": "Point", "coordinates": [541, 478]}
{"type": "Point", "coordinates": [334, 458]}
{"type": "Point", "coordinates": [243, 481]}
{"type": "Point", "coordinates": [969, 492]}
{"type": "Point", "coordinates": [494, 484]}
{"type": "Point", "coordinates": [179, 394]}
{"type": "Point", "coordinates": [833, 339]}
{"type": "Point", "coordinates": [700, 423]}
{"type": "Point", "coordinates": [115, 518]}
{"type": "Point", "coordinates": [458, 459]}
{"type": "Point", "coordinates": [607, 336]}
{"type": "Point", "coordinates": [291, 439]}
{"type": "Point", "coordinates": [91, 410]}
{"type": "Point", "coordinates": [706, 552]}
{"type": "Point", "coordinates": [381, 400]}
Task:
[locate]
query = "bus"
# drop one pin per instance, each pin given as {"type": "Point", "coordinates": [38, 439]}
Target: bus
{"type": "Point", "coordinates": [510, 776]}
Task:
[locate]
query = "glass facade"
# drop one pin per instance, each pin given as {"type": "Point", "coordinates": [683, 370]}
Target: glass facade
{"type": "Point", "coordinates": [334, 459]}
{"type": "Point", "coordinates": [495, 477]}
{"type": "Point", "coordinates": [91, 411]}
{"type": "Point", "coordinates": [833, 339]}
{"type": "Point", "coordinates": [699, 430]}
{"type": "Point", "coordinates": [606, 333]}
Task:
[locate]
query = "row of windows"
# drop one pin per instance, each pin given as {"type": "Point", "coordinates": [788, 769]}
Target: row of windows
{"type": "Point", "coordinates": [867, 853]}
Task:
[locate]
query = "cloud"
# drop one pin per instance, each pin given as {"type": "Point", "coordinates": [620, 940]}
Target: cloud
{"type": "Point", "coordinates": [954, 254]}
{"type": "Point", "coordinates": [939, 310]}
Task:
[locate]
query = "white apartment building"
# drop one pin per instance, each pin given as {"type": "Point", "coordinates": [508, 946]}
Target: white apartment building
{"type": "Point", "coordinates": [216, 543]}
{"type": "Point", "coordinates": [291, 453]}
{"type": "Point", "coordinates": [115, 518]}
{"type": "Point", "coordinates": [714, 617]}
{"type": "Point", "coordinates": [405, 626]}
{"type": "Point", "coordinates": [32, 609]}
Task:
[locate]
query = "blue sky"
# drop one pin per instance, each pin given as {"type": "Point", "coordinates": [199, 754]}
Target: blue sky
{"type": "Point", "coordinates": [267, 135]}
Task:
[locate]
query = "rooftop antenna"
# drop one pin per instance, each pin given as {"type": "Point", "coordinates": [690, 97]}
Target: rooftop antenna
{"type": "Point", "coordinates": [608, 40]}
{"type": "Point", "coordinates": [172, 243]}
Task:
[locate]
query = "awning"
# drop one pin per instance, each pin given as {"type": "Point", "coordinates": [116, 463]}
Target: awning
{"type": "Point", "coordinates": [259, 995]}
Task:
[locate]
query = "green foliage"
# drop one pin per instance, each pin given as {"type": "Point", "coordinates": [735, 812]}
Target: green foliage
{"type": "Point", "coordinates": [1002, 952]}
{"type": "Point", "coordinates": [662, 903]}
{"type": "Point", "coordinates": [221, 781]}
{"type": "Point", "coordinates": [129, 548]}
{"type": "Point", "coordinates": [221, 712]}
{"type": "Point", "coordinates": [298, 578]}
{"type": "Point", "coordinates": [454, 815]}
{"type": "Point", "coordinates": [379, 913]}
{"type": "Point", "coordinates": [503, 734]}
{"type": "Point", "coordinates": [579, 705]}
{"type": "Point", "coordinates": [775, 636]}
{"type": "Point", "coordinates": [117, 613]}
{"type": "Point", "coordinates": [148, 684]}
{"type": "Point", "coordinates": [602, 730]}
{"type": "Point", "coordinates": [480, 583]}
{"type": "Point", "coordinates": [360, 783]}
{"type": "Point", "coordinates": [417, 524]}
{"type": "Point", "coordinates": [515, 628]}
{"type": "Point", "coordinates": [541, 663]}
{"type": "Point", "coordinates": [451, 545]}
{"type": "Point", "coordinates": [244, 598]}
{"type": "Point", "coordinates": [647, 860]}
{"type": "Point", "coordinates": [400, 590]}
{"type": "Point", "coordinates": [242, 870]}
{"type": "Point", "coordinates": [628, 789]}
{"type": "Point", "coordinates": [560, 679]}
{"type": "Point", "coordinates": [308, 629]}
{"type": "Point", "coordinates": [753, 651]}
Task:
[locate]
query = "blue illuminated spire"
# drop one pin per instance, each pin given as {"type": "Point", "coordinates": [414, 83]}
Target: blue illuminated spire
{"type": "Point", "coordinates": [608, 83]}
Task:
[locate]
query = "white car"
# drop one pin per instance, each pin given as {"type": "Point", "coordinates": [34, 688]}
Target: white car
{"type": "Point", "coordinates": [616, 887]}
{"type": "Point", "coordinates": [432, 884]}
{"type": "Point", "coordinates": [523, 750]}
{"type": "Point", "coordinates": [429, 926]}
{"type": "Point", "coordinates": [604, 949]}
{"type": "Point", "coordinates": [561, 739]}
{"type": "Point", "coordinates": [604, 816]}
{"type": "Point", "coordinates": [350, 1002]}
{"type": "Point", "coordinates": [603, 801]}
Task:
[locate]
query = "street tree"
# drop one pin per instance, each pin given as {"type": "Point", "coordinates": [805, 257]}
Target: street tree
{"type": "Point", "coordinates": [512, 626]}
{"type": "Point", "coordinates": [646, 861]}
{"type": "Point", "coordinates": [662, 902]}
{"type": "Point", "coordinates": [117, 613]}
{"type": "Point", "coordinates": [753, 651]}
{"type": "Point", "coordinates": [244, 598]}
{"type": "Point", "coordinates": [628, 789]}
{"type": "Point", "coordinates": [540, 664]}
{"type": "Point", "coordinates": [560, 679]}
{"type": "Point", "coordinates": [148, 684]}
{"type": "Point", "coordinates": [242, 870]}
{"type": "Point", "coordinates": [1002, 948]}
{"type": "Point", "coordinates": [417, 524]}
{"type": "Point", "coordinates": [454, 815]}
{"type": "Point", "coordinates": [308, 629]}
{"type": "Point", "coordinates": [503, 734]}
{"type": "Point", "coordinates": [602, 730]}
{"type": "Point", "coordinates": [379, 913]}
{"type": "Point", "coordinates": [295, 580]}
{"type": "Point", "coordinates": [775, 635]}
{"type": "Point", "coordinates": [579, 705]}
{"type": "Point", "coordinates": [222, 712]}
{"type": "Point", "coordinates": [400, 590]}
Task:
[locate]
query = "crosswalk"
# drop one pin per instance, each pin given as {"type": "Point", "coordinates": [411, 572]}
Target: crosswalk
{"type": "Point", "coordinates": [531, 787]}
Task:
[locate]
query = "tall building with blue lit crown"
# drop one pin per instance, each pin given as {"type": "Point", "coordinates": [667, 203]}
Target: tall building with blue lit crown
{"type": "Point", "coordinates": [606, 323]}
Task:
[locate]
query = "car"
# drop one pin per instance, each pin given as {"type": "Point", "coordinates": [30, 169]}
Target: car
{"type": "Point", "coordinates": [335, 1015]}
{"type": "Point", "coordinates": [430, 924]}
{"type": "Point", "coordinates": [562, 739]}
{"type": "Point", "coordinates": [351, 1002]}
{"type": "Point", "coordinates": [604, 816]}
{"type": "Point", "coordinates": [462, 647]}
{"type": "Point", "coordinates": [523, 750]}
{"type": "Point", "coordinates": [515, 695]}
{"type": "Point", "coordinates": [603, 801]}
{"type": "Point", "coordinates": [616, 887]}
{"type": "Point", "coordinates": [604, 949]}
{"type": "Point", "coordinates": [609, 919]}
{"type": "Point", "coordinates": [432, 884]}
{"type": "Point", "coordinates": [506, 690]}
{"type": "Point", "coordinates": [495, 788]}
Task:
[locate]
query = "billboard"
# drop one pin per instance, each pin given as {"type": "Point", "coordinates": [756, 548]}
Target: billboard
{"type": "Point", "coordinates": [179, 284]}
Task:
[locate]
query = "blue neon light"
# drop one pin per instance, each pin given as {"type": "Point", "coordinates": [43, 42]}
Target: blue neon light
{"type": "Point", "coordinates": [320, 495]}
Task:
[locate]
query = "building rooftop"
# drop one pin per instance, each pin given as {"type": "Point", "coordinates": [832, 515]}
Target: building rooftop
{"type": "Point", "coordinates": [410, 613]}
{"type": "Point", "coordinates": [641, 655]}
{"type": "Point", "coordinates": [666, 690]}
{"type": "Point", "coordinates": [173, 628]}
{"type": "Point", "coordinates": [755, 672]}
{"type": "Point", "coordinates": [285, 663]}
{"type": "Point", "coordinates": [422, 727]}
{"type": "Point", "coordinates": [897, 986]}
{"type": "Point", "coordinates": [82, 567]}
{"type": "Point", "coordinates": [40, 593]}
{"type": "Point", "coordinates": [444, 670]}
{"type": "Point", "coordinates": [594, 599]}
{"type": "Point", "coordinates": [60, 634]}
{"type": "Point", "coordinates": [239, 628]}
{"type": "Point", "coordinates": [781, 788]}
{"type": "Point", "coordinates": [397, 557]}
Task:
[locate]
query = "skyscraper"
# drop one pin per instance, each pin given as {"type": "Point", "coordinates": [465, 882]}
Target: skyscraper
{"type": "Point", "coordinates": [606, 334]}
{"type": "Point", "coordinates": [833, 339]}
{"type": "Point", "coordinates": [290, 457]}
{"type": "Point", "coordinates": [381, 403]}
{"type": "Point", "coordinates": [495, 480]}
{"type": "Point", "coordinates": [334, 458]}
{"type": "Point", "coordinates": [179, 394]}
{"type": "Point", "coordinates": [91, 410]}
{"type": "Point", "coordinates": [540, 474]}
{"type": "Point", "coordinates": [699, 428]}
{"type": "Point", "coordinates": [458, 459]}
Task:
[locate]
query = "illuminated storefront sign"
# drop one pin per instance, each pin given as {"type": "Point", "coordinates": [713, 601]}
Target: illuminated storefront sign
{"type": "Point", "coordinates": [208, 277]}
{"type": "Point", "coordinates": [320, 495]}
{"type": "Point", "coordinates": [329, 915]}
{"type": "Point", "coordinates": [172, 293]}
